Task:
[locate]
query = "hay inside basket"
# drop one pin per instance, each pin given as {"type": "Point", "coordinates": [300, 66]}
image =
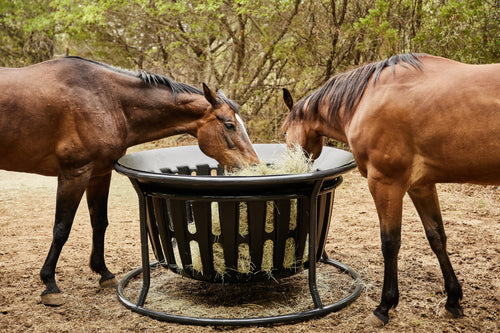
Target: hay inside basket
{"type": "Point", "coordinates": [292, 161]}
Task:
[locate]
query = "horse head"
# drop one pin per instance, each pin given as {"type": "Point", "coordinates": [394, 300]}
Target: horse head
{"type": "Point", "coordinates": [222, 134]}
{"type": "Point", "coordinates": [299, 130]}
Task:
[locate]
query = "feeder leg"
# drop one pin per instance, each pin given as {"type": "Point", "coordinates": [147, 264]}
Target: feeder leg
{"type": "Point", "coordinates": [145, 265]}
{"type": "Point", "coordinates": [313, 288]}
{"type": "Point", "coordinates": [144, 245]}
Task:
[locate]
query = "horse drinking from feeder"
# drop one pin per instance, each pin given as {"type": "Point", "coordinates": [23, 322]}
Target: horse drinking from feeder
{"type": "Point", "coordinates": [73, 118]}
{"type": "Point", "coordinates": [426, 120]}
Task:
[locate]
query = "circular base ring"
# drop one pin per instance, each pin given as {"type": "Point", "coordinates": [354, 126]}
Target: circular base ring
{"type": "Point", "coordinates": [203, 321]}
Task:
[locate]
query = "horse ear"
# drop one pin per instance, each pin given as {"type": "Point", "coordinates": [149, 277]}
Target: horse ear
{"type": "Point", "coordinates": [287, 97]}
{"type": "Point", "coordinates": [209, 95]}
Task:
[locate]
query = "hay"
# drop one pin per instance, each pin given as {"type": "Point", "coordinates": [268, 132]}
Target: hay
{"type": "Point", "coordinates": [197, 266]}
{"type": "Point", "coordinates": [293, 214]}
{"type": "Point", "coordinates": [216, 231]}
{"type": "Point", "coordinates": [219, 261]}
{"type": "Point", "coordinates": [293, 161]}
{"type": "Point", "coordinates": [269, 225]}
{"type": "Point", "coordinates": [244, 261]}
{"type": "Point", "coordinates": [267, 256]}
{"type": "Point", "coordinates": [179, 296]}
{"type": "Point", "coordinates": [289, 260]}
{"type": "Point", "coordinates": [243, 218]}
{"type": "Point", "coordinates": [177, 255]}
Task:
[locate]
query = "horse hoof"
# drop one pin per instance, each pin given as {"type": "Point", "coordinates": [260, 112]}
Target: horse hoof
{"type": "Point", "coordinates": [109, 284]}
{"type": "Point", "coordinates": [56, 299]}
{"type": "Point", "coordinates": [374, 321]}
{"type": "Point", "coordinates": [446, 314]}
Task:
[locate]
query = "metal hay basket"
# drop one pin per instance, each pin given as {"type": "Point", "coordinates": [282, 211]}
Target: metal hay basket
{"type": "Point", "coordinates": [233, 229]}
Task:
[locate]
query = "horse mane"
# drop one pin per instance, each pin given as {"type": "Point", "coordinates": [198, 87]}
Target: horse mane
{"type": "Point", "coordinates": [347, 88]}
{"type": "Point", "coordinates": [158, 79]}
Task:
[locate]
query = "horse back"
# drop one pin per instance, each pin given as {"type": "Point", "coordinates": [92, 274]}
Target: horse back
{"type": "Point", "coordinates": [440, 123]}
{"type": "Point", "coordinates": [52, 113]}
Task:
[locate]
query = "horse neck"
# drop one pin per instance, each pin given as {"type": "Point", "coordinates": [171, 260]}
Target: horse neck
{"type": "Point", "coordinates": [328, 126]}
{"type": "Point", "coordinates": [154, 114]}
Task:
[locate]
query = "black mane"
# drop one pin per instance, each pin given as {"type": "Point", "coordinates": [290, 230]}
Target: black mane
{"type": "Point", "coordinates": [158, 79]}
{"type": "Point", "coordinates": [176, 87]}
{"type": "Point", "coordinates": [348, 88]}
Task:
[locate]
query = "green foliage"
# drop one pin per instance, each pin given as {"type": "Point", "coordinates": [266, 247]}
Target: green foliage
{"type": "Point", "coordinates": [27, 32]}
{"type": "Point", "coordinates": [463, 30]}
{"type": "Point", "coordinates": [379, 37]}
{"type": "Point", "coordinates": [249, 48]}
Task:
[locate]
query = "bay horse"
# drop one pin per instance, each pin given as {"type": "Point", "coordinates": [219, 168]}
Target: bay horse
{"type": "Point", "coordinates": [411, 121]}
{"type": "Point", "coordinates": [74, 117]}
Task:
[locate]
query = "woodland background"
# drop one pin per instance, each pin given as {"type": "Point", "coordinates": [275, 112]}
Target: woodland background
{"type": "Point", "coordinates": [249, 48]}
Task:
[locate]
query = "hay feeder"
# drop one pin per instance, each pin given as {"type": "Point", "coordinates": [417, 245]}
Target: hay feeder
{"type": "Point", "coordinates": [233, 229]}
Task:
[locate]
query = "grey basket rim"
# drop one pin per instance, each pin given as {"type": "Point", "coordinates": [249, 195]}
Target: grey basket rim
{"type": "Point", "coordinates": [332, 163]}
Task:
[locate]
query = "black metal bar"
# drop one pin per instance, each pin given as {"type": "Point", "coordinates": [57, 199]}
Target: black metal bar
{"type": "Point", "coordinates": [144, 244]}
{"type": "Point", "coordinates": [313, 225]}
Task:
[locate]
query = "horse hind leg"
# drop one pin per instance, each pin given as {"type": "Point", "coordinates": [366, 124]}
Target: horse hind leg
{"type": "Point", "coordinates": [426, 202]}
{"type": "Point", "coordinates": [70, 188]}
{"type": "Point", "coordinates": [97, 200]}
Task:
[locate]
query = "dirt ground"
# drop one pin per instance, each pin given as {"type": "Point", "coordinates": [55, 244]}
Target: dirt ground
{"type": "Point", "coordinates": [472, 221]}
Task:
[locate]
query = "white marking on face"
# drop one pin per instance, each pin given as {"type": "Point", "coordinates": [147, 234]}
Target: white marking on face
{"type": "Point", "coordinates": [242, 125]}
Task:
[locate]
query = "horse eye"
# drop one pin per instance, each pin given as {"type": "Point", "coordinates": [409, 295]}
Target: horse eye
{"type": "Point", "coordinates": [230, 126]}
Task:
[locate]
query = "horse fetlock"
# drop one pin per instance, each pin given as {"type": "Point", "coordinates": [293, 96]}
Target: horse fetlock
{"type": "Point", "coordinates": [390, 300]}
{"type": "Point", "coordinates": [454, 291]}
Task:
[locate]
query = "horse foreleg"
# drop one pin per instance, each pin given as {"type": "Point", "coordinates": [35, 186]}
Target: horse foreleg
{"type": "Point", "coordinates": [426, 202]}
{"type": "Point", "coordinates": [70, 188]}
{"type": "Point", "coordinates": [388, 199]}
{"type": "Point", "coordinates": [97, 200]}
